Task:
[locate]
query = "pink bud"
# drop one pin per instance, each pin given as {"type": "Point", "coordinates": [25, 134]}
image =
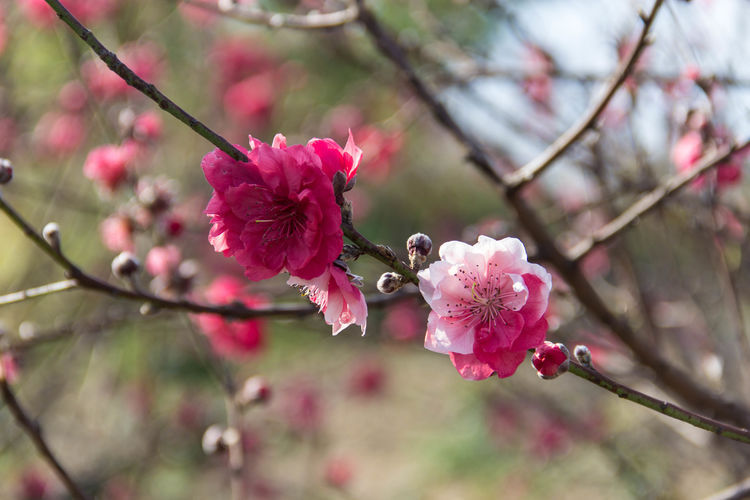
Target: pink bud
{"type": "Point", "coordinates": [550, 360]}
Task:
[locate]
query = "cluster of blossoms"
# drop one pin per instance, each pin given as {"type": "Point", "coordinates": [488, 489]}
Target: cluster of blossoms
{"type": "Point", "coordinates": [278, 212]}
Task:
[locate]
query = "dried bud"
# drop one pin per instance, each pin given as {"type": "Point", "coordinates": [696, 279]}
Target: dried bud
{"type": "Point", "coordinates": [125, 265]}
{"type": "Point", "coordinates": [550, 360]}
{"type": "Point", "coordinates": [350, 252]}
{"type": "Point", "coordinates": [255, 390]}
{"type": "Point", "coordinates": [419, 246]}
{"type": "Point", "coordinates": [6, 171]}
{"type": "Point", "coordinates": [51, 234]}
{"type": "Point", "coordinates": [212, 440]}
{"type": "Point", "coordinates": [582, 354]}
{"type": "Point", "coordinates": [390, 282]}
{"type": "Point", "coordinates": [339, 184]}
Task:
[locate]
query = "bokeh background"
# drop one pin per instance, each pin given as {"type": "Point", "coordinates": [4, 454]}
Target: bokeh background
{"type": "Point", "coordinates": [125, 398]}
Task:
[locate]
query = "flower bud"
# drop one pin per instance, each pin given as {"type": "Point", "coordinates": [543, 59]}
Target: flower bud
{"type": "Point", "coordinates": [212, 440]}
{"type": "Point", "coordinates": [255, 390]}
{"type": "Point", "coordinates": [51, 234]}
{"type": "Point", "coordinates": [550, 360]}
{"type": "Point", "coordinates": [419, 246]}
{"type": "Point", "coordinates": [390, 282]}
{"type": "Point", "coordinates": [125, 265]}
{"type": "Point", "coordinates": [582, 354]}
{"type": "Point", "coordinates": [6, 171]}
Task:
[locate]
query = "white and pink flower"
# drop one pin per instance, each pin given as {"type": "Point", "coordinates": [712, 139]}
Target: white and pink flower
{"type": "Point", "coordinates": [340, 301]}
{"type": "Point", "coordinates": [487, 304]}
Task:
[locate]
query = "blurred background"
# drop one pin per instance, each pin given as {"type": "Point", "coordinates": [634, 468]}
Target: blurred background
{"type": "Point", "coordinates": [128, 400]}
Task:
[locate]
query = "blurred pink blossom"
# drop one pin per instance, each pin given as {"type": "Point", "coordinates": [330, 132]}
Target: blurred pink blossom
{"type": "Point", "coordinates": [339, 472]}
{"type": "Point", "coordinates": [116, 232]}
{"type": "Point", "coordinates": [487, 305]}
{"type": "Point", "coordinates": [147, 127]}
{"type": "Point", "coordinates": [340, 301]}
{"type": "Point", "coordinates": [404, 321]}
{"type": "Point", "coordinates": [381, 148]}
{"type": "Point", "coordinates": [302, 407]}
{"type": "Point", "coordinates": [537, 84]}
{"type": "Point", "coordinates": [60, 134]}
{"type": "Point", "coordinates": [233, 339]}
{"type": "Point", "coordinates": [8, 367]}
{"type": "Point", "coordinates": [367, 378]}
{"type": "Point", "coordinates": [162, 261]}
{"type": "Point", "coordinates": [109, 166]}
{"type": "Point", "coordinates": [87, 11]}
{"type": "Point", "coordinates": [72, 97]}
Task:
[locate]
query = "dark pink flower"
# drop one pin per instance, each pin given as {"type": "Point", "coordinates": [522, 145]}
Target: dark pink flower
{"type": "Point", "coordinates": [340, 301]}
{"type": "Point", "coordinates": [687, 153]}
{"type": "Point", "coordinates": [302, 408]}
{"type": "Point", "coordinates": [333, 158]}
{"type": "Point", "coordinates": [275, 212]}
{"type": "Point", "coordinates": [108, 165]}
{"type": "Point", "coordinates": [487, 305]}
{"type": "Point", "coordinates": [367, 378]}
{"type": "Point", "coordinates": [235, 339]}
{"type": "Point", "coordinates": [162, 261]}
{"type": "Point", "coordinates": [550, 359]}
{"type": "Point", "coordinates": [33, 485]}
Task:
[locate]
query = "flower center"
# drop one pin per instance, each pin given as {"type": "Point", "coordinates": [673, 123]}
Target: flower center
{"type": "Point", "coordinates": [490, 295]}
{"type": "Point", "coordinates": [283, 217]}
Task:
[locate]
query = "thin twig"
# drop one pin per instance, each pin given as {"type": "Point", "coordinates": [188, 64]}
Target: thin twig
{"type": "Point", "coordinates": [147, 89]}
{"type": "Point", "coordinates": [650, 201]}
{"type": "Point", "coordinates": [309, 21]}
{"type": "Point", "coordinates": [379, 252]}
{"type": "Point", "coordinates": [531, 170]}
{"type": "Point", "coordinates": [236, 310]}
{"type": "Point", "coordinates": [34, 431]}
{"type": "Point", "coordinates": [40, 291]}
{"type": "Point", "coordinates": [663, 407]}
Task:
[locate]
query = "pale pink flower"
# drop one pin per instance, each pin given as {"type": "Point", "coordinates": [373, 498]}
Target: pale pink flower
{"type": "Point", "coordinates": [340, 301]}
{"type": "Point", "coordinates": [162, 261]}
{"type": "Point", "coordinates": [147, 127]}
{"type": "Point", "coordinates": [72, 97]}
{"type": "Point", "coordinates": [275, 212]}
{"type": "Point", "coordinates": [235, 339]}
{"type": "Point", "coordinates": [339, 472]}
{"type": "Point", "coordinates": [487, 305]}
{"type": "Point", "coordinates": [687, 151]}
{"type": "Point", "coordinates": [60, 134]}
{"type": "Point", "coordinates": [109, 165]}
{"type": "Point", "coordinates": [116, 232]}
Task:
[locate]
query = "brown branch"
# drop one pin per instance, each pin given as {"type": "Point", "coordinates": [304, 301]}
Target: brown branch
{"type": "Point", "coordinates": [650, 201]}
{"type": "Point", "coordinates": [145, 88]}
{"type": "Point", "coordinates": [34, 431]}
{"type": "Point", "coordinates": [665, 408]}
{"type": "Point", "coordinates": [675, 379]}
{"type": "Point", "coordinates": [236, 310]}
{"type": "Point", "coordinates": [531, 170]}
{"type": "Point", "coordinates": [309, 21]}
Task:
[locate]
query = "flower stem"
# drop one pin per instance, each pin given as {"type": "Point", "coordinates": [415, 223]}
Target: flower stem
{"type": "Point", "coordinates": [665, 408]}
{"type": "Point", "coordinates": [379, 252]}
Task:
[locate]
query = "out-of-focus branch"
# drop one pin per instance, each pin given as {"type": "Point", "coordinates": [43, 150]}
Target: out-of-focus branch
{"type": "Point", "coordinates": [86, 281]}
{"type": "Point", "coordinates": [34, 431]}
{"type": "Point", "coordinates": [665, 408]}
{"type": "Point", "coordinates": [39, 291]}
{"type": "Point", "coordinates": [677, 380]}
{"type": "Point", "coordinates": [147, 89]}
{"type": "Point", "coordinates": [650, 201]}
{"type": "Point", "coordinates": [531, 170]}
{"type": "Point", "coordinates": [309, 21]}
{"type": "Point", "coordinates": [735, 492]}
